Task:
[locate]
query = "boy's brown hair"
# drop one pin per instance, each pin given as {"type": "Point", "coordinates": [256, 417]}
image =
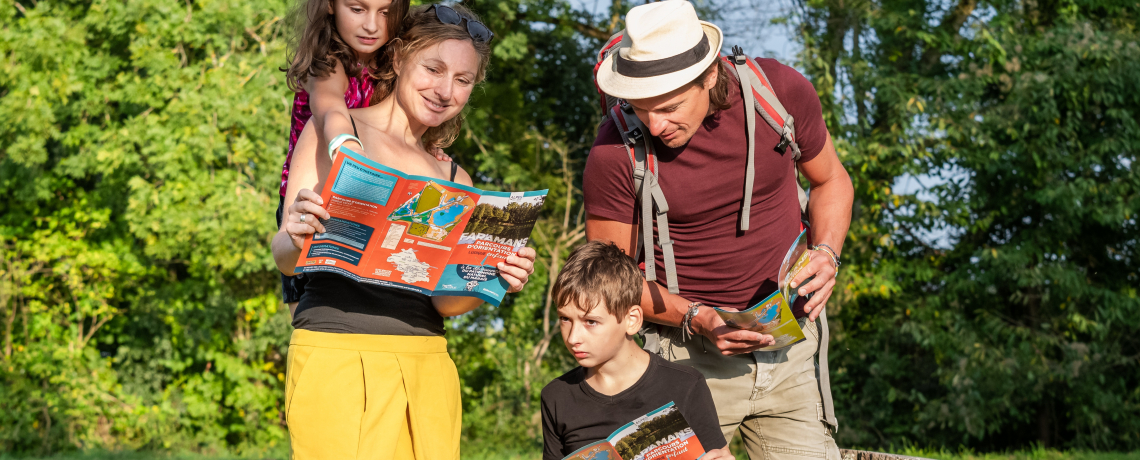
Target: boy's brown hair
{"type": "Point", "coordinates": [599, 272]}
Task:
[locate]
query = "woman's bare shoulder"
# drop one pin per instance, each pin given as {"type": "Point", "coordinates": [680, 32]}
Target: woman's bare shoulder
{"type": "Point", "coordinates": [461, 176]}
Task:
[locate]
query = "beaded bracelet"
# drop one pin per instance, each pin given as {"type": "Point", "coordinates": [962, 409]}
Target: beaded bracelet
{"type": "Point", "coordinates": [830, 254]}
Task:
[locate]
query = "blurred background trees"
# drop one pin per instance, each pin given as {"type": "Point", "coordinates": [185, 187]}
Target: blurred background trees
{"type": "Point", "coordinates": [987, 299]}
{"type": "Point", "coordinates": [991, 300]}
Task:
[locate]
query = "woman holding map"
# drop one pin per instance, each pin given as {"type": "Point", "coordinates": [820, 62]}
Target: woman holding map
{"type": "Point", "coordinates": [368, 373]}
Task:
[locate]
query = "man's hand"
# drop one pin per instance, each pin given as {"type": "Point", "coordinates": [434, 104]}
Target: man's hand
{"type": "Point", "coordinates": [822, 285]}
{"type": "Point", "coordinates": [729, 340]}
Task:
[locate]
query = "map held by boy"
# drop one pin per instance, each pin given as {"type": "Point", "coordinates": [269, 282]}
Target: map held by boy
{"type": "Point", "coordinates": [659, 435]}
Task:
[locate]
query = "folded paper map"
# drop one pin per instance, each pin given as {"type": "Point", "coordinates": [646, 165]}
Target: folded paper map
{"type": "Point", "coordinates": [418, 233]}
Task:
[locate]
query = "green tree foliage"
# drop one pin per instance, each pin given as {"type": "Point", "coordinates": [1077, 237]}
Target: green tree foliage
{"type": "Point", "coordinates": [143, 140]}
{"type": "Point", "coordinates": [141, 154]}
{"type": "Point", "coordinates": [995, 304]}
{"type": "Point", "coordinates": [140, 147]}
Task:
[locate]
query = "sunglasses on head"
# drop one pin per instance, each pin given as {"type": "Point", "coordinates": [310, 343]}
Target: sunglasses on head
{"type": "Point", "coordinates": [475, 29]}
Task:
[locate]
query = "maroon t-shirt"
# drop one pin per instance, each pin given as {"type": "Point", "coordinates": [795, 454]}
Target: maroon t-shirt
{"type": "Point", "coordinates": [703, 183]}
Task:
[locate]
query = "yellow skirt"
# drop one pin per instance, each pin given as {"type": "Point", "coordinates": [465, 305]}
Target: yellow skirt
{"type": "Point", "coordinates": [359, 396]}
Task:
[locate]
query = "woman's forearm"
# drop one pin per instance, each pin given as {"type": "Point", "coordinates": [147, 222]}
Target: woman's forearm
{"type": "Point", "coordinates": [455, 305]}
{"type": "Point", "coordinates": [285, 254]}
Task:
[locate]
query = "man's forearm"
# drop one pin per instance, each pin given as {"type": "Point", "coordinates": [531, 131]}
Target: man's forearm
{"type": "Point", "coordinates": [661, 307]}
{"type": "Point", "coordinates": [830, 211]}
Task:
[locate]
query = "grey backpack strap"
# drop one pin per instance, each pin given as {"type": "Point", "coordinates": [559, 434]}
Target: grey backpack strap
{"type": "Point", "coordinates": [652, 338]}
{"type": "Point", "coordinates": [739, 60]}
{"type": "Point", "coordinates": [646, 185]}
{"type": "Point", "coordinates": [766, 103]}
{"type": "Point", "coordinates": [824, 374]}
{"type": "Point", "coordinates": [663, 235]}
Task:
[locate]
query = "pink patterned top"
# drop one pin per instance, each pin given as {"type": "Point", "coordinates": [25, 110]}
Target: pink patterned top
{"type": "Point", "coordinates": [358, 95]}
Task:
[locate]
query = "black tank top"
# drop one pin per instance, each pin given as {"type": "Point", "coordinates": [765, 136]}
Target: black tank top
{"type": "Point", "coordinates": [337, 304]}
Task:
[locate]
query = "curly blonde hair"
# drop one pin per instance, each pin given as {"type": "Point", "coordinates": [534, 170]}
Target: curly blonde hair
{"type": "Point", "coordinates": [422, 30]}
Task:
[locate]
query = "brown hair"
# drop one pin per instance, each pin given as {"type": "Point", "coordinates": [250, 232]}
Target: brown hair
{"type": "Point", "coordinates": [317, 47]}
{"type": "Point", "coordinates": [423, 30]}
{"type": "Point", "coordinates": [599, 273]}
{"type": "Point", "coordinates": [718, 95]}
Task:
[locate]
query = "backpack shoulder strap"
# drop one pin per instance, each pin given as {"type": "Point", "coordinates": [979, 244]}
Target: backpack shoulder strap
{"type": "Point", "coordinates": [644, 161]}
{"type": "Point", "coordinates": [754, 81]}
{"type": "Point", "coordinates": [738, 61]}
{"type": "Point", "coordinates": [605, 100]}
{"type": "Point", "coordinates": [766, 102]}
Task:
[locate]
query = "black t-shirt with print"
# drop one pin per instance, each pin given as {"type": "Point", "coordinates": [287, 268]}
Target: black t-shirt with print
{"type": "Point", "coordinates": [574, 415]}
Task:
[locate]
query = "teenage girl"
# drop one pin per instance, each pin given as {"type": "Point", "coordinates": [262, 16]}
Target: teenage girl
{"type": "Point", "coordinates": [335, 59]}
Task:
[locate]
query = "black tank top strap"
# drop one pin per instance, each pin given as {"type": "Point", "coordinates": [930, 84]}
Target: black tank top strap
{"type": "Point", "coordinates": [454, 169]}
{"type": "Point", "coordinates": [354, 133]}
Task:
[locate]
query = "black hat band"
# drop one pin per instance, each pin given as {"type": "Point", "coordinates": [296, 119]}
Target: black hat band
{"type": "Point", "coordinates": [657, 67]}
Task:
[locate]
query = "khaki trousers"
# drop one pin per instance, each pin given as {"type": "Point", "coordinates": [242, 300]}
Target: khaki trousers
{"type": "Point", "coordinates": [772, 396]}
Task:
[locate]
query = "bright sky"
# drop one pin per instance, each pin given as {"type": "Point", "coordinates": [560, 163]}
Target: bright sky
{"type": "Point", "coordinates": [746, 23]}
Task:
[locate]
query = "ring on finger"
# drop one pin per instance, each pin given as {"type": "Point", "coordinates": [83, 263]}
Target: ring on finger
{"type": "Point", "coordinates": [302, 218]}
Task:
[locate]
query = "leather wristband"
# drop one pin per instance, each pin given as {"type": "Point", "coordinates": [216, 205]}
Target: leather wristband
{"type": "Point", "coordinates": [687, 321]}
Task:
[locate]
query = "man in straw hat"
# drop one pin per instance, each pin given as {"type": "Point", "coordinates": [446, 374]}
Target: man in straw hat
{"type": "Point", "coordinates": [667, 68]}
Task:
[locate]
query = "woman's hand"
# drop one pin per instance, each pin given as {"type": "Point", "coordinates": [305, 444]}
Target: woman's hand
{"type": "Point", "coordinates": [517, 268]}
{"type": "Point", "coordinates": [303, 217]}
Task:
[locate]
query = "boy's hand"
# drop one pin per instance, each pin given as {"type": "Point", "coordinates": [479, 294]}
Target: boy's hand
{"type": "Point", "coordinates": [729, 340]}
{"type": "Point", "coordinates": [718, 454]}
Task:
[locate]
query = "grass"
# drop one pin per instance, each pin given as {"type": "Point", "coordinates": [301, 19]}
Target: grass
{"type": "Point", "coordinates": [1031, 454]}
{"type": "Point", "coordinates": [104, 455]}
{"type": "Point", "coordinates": [1038, 453]}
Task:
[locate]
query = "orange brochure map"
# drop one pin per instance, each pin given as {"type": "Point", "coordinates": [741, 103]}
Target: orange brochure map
{"type": "Point", "coordinates": [422, 234]}
{"type": "Point", "coordinates": [659, 435]}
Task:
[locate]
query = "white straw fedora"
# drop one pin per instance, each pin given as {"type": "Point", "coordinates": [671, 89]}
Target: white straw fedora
{"type": "Point", "coordinates": [664, 47]}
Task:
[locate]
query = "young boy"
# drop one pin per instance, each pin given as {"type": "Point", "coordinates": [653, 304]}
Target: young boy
{"type": "Point", "coordinates": [598, 295]}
